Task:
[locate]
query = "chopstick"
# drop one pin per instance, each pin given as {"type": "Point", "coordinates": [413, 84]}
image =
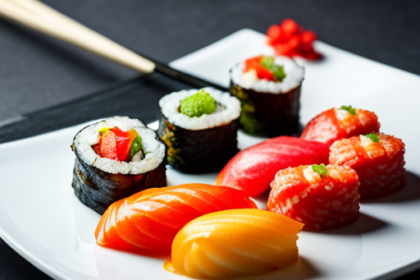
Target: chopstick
{"type": "Point", "coordinates": [40, 17]}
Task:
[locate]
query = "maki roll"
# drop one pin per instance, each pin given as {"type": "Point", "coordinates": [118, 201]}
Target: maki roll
{"type": "Point", "coordinates": [378, 160]}
{"type": "Point", "coordinates": [116, 158]}
{"type": "Point", "coordinates": [199, 128]}
{"type": "Point", "coordinates": [269, 91]}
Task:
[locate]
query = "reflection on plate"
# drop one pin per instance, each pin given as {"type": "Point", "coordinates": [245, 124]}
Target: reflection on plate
{"type": "Point", "coordinates": [43, 221]}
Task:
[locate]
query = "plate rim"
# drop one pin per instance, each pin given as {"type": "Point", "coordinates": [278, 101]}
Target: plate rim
{"type": "Point", "coordinates": [54, 272]}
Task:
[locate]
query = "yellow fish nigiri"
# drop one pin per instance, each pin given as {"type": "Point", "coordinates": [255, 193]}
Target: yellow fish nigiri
{"type": "Point", "coordinates": [235, 243]}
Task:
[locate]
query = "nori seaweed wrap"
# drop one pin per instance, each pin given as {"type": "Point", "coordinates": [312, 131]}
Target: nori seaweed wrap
{"type": "Point", "coordinates": [98, 181]}
{"type": "Point", "coordinates": [268, 107]}
{"type": "Point", "coordinates": [199, 144]}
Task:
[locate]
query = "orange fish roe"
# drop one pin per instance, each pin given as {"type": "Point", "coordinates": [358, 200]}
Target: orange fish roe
{"type": "Point", "coordinates": [321, 202]}
{"type": "Point", "coordinates": [380, 165]}
{"type": "Point", "coordinates": [338, 123]}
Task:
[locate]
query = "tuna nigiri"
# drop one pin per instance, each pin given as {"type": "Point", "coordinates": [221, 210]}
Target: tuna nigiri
{"type": "Point", "coordinates": [235, 243]}
{"type": "Point", "coordinates": [254, 168]}
{"type": "Point", "coordinates": [322, 197]}
{"type": "Point", "coordinates": [338, 123]}
{"type": "Point", "coordinates": [377, 159]}
{"type": "Point", "coordinates": [149, 220]}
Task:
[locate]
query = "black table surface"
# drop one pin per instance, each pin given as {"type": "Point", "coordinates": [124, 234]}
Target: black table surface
{"type": "Point", "coordinates": [37, 72]}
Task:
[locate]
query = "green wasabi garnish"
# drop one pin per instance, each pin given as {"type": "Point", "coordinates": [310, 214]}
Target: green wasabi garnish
{"type": "Point", "coordinates": [198, 104]}
{"type": "Point", "coordinates": [136, 146]}
{"type": "Point", "coordinates": [349, 109]}
{"type": "Point", "coordinates": [373, 136]}
{"type": "Point", "coordinates": [320, 169]}
{"type": "Point", "coordinates": [268, 63]}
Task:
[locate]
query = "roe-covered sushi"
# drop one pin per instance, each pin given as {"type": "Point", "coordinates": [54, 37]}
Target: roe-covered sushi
{"type": "Point", "coordinates": [269, 91]}
{"type": "Point", "coordinates": [116, 158]}
{"type": "Point", "coordinates": [322, 197]}
{"type": "Point", "coordinates": [378, 160]}
{"type": "Point", "coordinates": [199, 128]}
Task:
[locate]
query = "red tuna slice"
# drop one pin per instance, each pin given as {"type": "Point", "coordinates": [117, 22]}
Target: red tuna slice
{"type": "Point", "coordinates": [321, 202]}
{"type": "Point", "coordinates": [254, 168]}
{"type": "Point", "coordinates": [337, 123]}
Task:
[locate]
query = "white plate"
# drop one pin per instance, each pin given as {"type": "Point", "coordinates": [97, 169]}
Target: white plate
{"type": "Point", "coordinates": [44, 222]}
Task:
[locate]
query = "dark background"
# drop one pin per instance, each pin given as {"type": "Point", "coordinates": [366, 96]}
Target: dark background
{"type": "Point", "coordinates": [37, 72]}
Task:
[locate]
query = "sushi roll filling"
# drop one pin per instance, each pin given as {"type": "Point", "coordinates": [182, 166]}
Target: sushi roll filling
{"type": "Point", "coordinates": [264, 68]}
{"type": "Point", "coordinates": [120, 145]}
{"type": "Point", "coordinates": [268, 74]}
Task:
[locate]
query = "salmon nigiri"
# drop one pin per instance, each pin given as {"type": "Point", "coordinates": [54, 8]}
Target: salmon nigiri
{"type": "Point", "coordinates": [235, 243]}
{"type": "Point", "coordinates": [339, 123]}
{"type": "Point", "coordinates": [149, 220]}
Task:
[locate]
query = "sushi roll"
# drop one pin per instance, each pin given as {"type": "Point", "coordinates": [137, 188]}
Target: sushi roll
{"type": "Point", "coordinates": [322, 197]}
{"type": "Point", "coordinates": [149, 220]}
{"type": "Point", "coordinates": [338, 123]}
{"type": "Point", "coordinates": [235, 243]}
{"type": "Point", "coordinates": [199, 127]}
{"type": "Point", "coordinates": [377, 159]}
{"type": "Point", "coordinates": [269, 91]}
{"type": "Point", "coordinates": [115, 158]}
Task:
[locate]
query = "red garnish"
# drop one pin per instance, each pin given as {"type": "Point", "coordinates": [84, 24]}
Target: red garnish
{"type": "Point", "coordinates": [255, 64]}
{"type": "Point", "coordinates": [123, 143]}
{"type": "Point", "coordinates": [290, 39]}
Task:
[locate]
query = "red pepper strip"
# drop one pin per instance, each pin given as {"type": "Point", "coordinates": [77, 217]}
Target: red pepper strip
{"type": "Point", "coordinates": [252, 63]}
{"type": "Point", "coordinates": [123, 143]}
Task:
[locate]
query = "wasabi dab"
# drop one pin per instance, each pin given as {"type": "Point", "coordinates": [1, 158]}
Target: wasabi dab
{"type": "Point", "coordinates": [198, 104]}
